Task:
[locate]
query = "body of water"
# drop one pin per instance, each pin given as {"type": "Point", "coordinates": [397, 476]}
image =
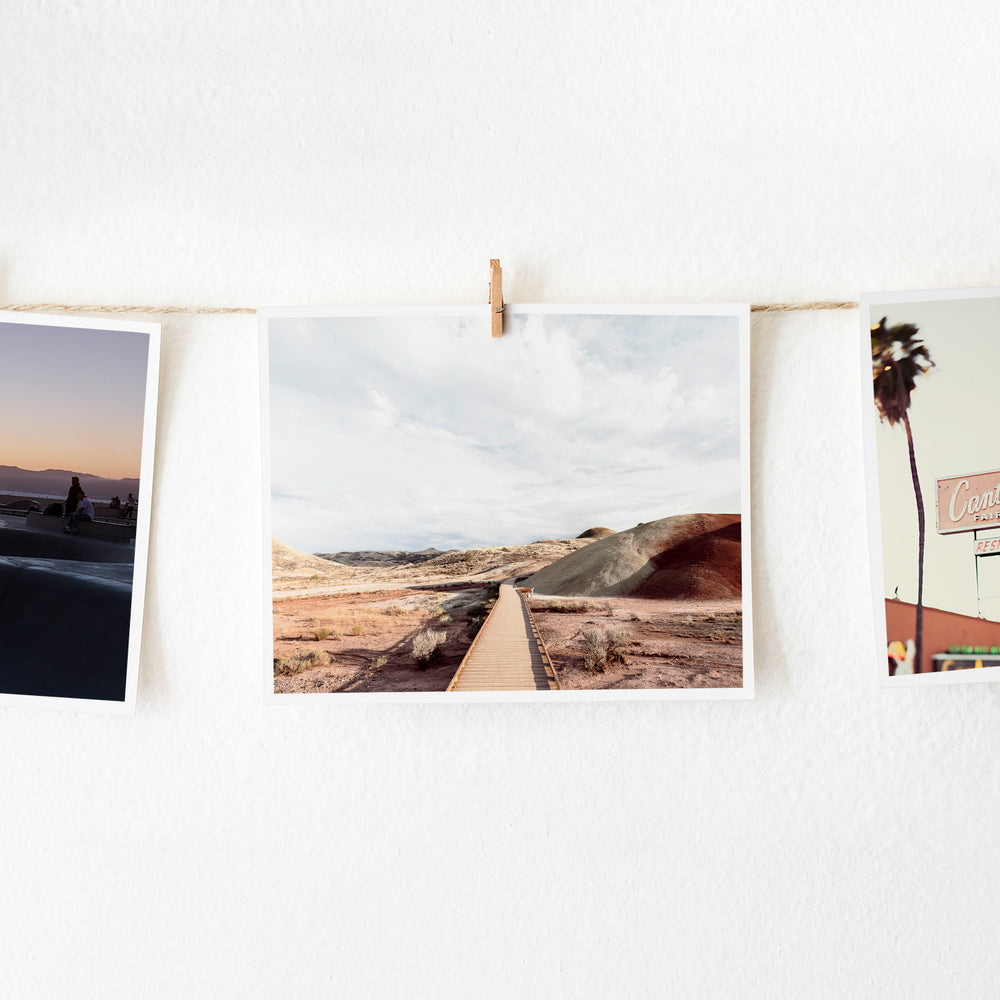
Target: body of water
{"type": "Point", "coordinates": [51, 496]}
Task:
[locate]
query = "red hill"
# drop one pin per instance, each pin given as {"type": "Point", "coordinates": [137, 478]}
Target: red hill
{"type": "Point", "coordinates": [685, 556]}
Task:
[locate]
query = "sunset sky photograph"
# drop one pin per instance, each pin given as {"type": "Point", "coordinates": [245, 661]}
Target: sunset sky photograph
{"type": "Point", "coordinates": [72, 398]}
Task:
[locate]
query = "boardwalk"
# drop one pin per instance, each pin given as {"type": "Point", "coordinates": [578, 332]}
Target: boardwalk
{"type": "Point", "coordinates": [507, 654]}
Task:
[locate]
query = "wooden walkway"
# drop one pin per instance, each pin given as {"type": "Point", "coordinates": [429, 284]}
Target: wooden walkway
{"type": "Point", "coordinates": [507, 654]}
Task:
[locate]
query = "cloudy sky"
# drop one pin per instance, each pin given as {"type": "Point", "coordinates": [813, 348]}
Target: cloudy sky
{"type": "Point", "coordinates": [402, 432]}
{"type": "Point", "coordinates": [951, 415]}
{"type": "Point", "coordinates": [72, 398]}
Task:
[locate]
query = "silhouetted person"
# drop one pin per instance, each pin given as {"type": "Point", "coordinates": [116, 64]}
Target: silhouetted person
{"type": "Point", "coordinates": [73, 497]}
{"type": "Point", "coordinates": [129, 507]}
{"type": "Point", "coordinates": [84, 512]}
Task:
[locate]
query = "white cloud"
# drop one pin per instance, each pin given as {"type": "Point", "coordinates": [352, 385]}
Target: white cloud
{"type": "Point", "coordinates": [409, 431]}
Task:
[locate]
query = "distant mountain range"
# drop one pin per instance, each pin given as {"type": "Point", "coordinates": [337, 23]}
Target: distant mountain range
{"type": "Point", "coordinates": [55, 482]}
{"type": "Point", "coordinates": [370, 557]}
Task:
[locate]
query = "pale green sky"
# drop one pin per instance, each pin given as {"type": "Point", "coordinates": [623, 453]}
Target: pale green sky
{"type": "Point", "coordinates": [953, 415]}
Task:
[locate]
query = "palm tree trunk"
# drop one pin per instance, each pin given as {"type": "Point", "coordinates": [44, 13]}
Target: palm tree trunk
{"type": "Point", "coordinates": [917, 639]}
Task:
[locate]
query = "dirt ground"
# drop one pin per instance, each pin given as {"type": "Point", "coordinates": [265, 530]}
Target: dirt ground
{"type": "Point", "coordinates": [365, 628]}
{"type": "Point", "coordinates": [366, 637]}
{"type": "Point", "coordinates": [673, 643]}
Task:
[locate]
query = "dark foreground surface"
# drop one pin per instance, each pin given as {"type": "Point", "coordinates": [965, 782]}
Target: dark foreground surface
{"type": "Point", "coordinates": [65, 604]}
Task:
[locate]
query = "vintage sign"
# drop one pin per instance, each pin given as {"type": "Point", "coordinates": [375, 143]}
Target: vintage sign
{"type": "Point", "coordinates": [986, 546]}
{"type": "Point", "coordinates": [968, 503]}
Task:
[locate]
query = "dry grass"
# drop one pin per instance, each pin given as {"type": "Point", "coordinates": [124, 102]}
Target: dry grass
{"type": "Point", "coordinates": [375, 619]}
{"type": "Point", "coordinates": [566, 607]}
{"type": "Point", "coordinates": [298, 662]}
{"type": "Point", "coordinates": [604, 647]}
{"type": "Point", "coordinates": [427, 644]}
{"type": "Point", "coordinates": [380, 657]}
{"type": "Point", "coordinates": [354, 621]}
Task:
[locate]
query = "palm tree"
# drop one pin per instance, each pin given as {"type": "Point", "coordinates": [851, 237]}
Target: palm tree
{"type": "Point", "coordinates": [898, 358]}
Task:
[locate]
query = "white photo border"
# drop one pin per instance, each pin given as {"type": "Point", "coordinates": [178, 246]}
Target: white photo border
{"type": "Point", "coordinates": [740, 311]}
{"type": "Point", "coordinates": [870, 420]}
{"type": "Point", "coordinates": [143, 513]}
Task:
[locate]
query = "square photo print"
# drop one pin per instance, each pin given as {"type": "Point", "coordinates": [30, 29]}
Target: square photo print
{"type": "Point", "coordinates": [934, 484]}
{"type": "Point", "coordinates": [78, 404]}
{"type": "Point", "coordinates": [560, 512]}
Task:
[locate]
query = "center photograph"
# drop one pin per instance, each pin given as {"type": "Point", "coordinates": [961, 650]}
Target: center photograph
{"type": "Point", "coordinates": [558, 513]}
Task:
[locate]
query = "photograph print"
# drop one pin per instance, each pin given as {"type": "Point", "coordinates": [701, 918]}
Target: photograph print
{"type": "Point", "coordinates": [78, 405]}
{"type": "Point", "coordinates": [556, 513]}
{"type": "Point", "coordinates": [934, 484]}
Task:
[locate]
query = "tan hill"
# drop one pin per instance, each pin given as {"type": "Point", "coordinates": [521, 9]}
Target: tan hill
{"type": "Point", "coordinates": [298, 572]}
{"type": "Point", "coordinates": [498, 562]}
{"type": "Point", "coordinates": [688, 555]}
{"type": "Point", "coordinates": [291, 564]}
{"type": "Point", "coordinates": [596, 533]}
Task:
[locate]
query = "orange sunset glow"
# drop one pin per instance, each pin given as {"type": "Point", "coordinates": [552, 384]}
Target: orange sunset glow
{"type": "Point", "coordinates": [72, 398]}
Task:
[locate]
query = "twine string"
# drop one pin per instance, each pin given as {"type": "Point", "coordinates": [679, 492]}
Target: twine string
{"type": "Point", "coordinates": [786, 307]}
{"type": "Point", "coordinates": [58, 307]}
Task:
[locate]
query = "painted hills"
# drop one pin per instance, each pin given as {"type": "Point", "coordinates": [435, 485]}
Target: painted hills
{"type": "Point", "coordinates": [685, 556]}
{"type": "Point", "coordinates": [695, 556]}
{"type": "Point", "coordinates": [294, 570]}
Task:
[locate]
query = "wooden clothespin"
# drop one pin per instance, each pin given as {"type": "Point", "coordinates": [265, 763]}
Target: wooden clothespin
{"type": "Point", "coordinates": [496, 298]}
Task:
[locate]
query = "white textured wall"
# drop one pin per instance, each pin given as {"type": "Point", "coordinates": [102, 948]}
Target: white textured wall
{"type": "Point", "coordinates": [828, 838]}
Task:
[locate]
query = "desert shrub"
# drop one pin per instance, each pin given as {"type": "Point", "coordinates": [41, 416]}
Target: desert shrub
{"type": "Point", "coordinates": [444, 618]}
{"type": "Point", "coordinates": [394, 609]}
{"type": "Point", "coordinates": [380, 663]}
{"type": "Point", "coordinates": [604, 647]}
{"type": "Point", "coordinates": [357, 629]}
{"type": "Point", "coordinates": [477, 610]}
{"type": "Point", "coordinates": [567, 607]}
{"type": "Point", "coordinates": [53, 510]}
{"type": "Point", "coordinates": [298, 662]}
{"type": "Point", "coordinates": [427, 644]}
{"type": "Point", "coordinates": [474, 625]}
{"type": "Point", "coordinates": [322, 633]}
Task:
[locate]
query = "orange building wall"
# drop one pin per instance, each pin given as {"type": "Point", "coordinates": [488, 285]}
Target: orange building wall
{"type": "Point", "coordinates": [941, 629]}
